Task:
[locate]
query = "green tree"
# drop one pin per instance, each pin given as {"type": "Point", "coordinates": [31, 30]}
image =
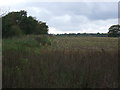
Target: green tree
{"type": "Point", "coordinates": [28, 25]}
{"type": "Point", "coordinates": [15, 31]}
{"type": "Point", "coordinates": [114, 31]}
{"type": "Point", "coordinates": [42, 28]}
{"type": "Point", "coordinates": [11, 23]}
{"type": "Point", "coordinates": [18, 23]}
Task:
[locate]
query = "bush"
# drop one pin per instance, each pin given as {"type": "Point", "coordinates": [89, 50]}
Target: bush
{"type": "Point", "coordinates": [25, 43]}
{"type": "Point", "coordinates": [43, 40]}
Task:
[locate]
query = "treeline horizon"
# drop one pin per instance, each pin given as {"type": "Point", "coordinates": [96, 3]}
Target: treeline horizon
{"type": "Point", "coordinates": [82, 34]}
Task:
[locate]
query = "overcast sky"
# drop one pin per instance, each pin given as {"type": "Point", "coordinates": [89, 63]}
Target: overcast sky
{"type": "Point", "coordinates": [69, 17]}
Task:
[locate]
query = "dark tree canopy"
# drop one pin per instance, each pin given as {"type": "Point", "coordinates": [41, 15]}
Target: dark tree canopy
{"type": "Point", "coordinates": [114, 31]}
{"type": "Point", "coordinates": [18, 23]}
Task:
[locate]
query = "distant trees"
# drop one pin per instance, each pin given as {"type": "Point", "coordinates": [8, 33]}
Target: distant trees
{"type": "Point", "coordinates": [85, 34]}
{"type": "Point", "coordinates": [114, 31]}
{"type": "Point", "coordinates": [18, 23]}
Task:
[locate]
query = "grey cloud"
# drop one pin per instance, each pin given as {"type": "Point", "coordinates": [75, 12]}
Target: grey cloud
{"type": "Point", "coordinates": [69, 16]}
{"type": "Point", "coordinates": [101, 10]}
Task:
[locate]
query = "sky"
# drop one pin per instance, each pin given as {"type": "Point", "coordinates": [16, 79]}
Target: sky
{"type": "Point", "coordinates": [68, 16]}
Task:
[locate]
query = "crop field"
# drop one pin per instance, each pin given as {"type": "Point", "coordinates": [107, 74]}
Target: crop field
{"type": "Point", "coordinates": [60, 62]}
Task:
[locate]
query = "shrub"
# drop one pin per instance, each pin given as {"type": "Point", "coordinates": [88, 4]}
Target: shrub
{"type": "Point", "coordinates": [43, 40]}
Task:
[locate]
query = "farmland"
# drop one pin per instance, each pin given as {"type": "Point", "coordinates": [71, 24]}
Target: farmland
{"type": "Point", "coordinates": [64, 62]}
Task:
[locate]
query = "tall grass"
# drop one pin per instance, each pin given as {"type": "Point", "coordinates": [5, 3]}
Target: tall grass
{"type": "Point", "coordinates": [62, 66]}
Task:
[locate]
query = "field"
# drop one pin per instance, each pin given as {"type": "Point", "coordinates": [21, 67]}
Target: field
{"type": "Point", "coordinates": [66, 62]}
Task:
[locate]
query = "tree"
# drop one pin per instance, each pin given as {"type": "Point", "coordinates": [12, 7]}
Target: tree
{"type": "Point", "coordinates": [42, 28]}
{"type": "Point", "coordinates": [18, 23]}
{"type": "Point", "coordinates": [11, 23]}
{"type": "Point", "coordinates": [114, 31]}
{"type": "Point", "coordinates": [28, 25]}
{"type": "Point", "coordinates": [15, 31]}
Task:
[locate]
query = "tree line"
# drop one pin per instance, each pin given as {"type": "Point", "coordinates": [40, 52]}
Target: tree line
{"type": "Point", "coordinates": [18, 23]}
{"type": "Point", "coordinates": [84, 34]}
{"type": "Point", "coordinates": [113, 31]}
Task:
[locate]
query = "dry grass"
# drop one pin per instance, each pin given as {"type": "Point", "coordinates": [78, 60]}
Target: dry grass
{"type": "Point", "coordinates": [68, 62]}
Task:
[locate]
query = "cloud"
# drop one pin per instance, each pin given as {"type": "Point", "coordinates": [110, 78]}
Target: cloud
{"type": "Point", "coordinates": [70, 17]}
{"type": "Point", "coordinates": [83, 25]}
{"type": "Point", "coordinates": [60, 20]}
{"type": "Point", "coordinates": [40, 13]}
{"type": "Point", "coordinates": [80, 24]}
{"type": "Point", "coordinates": [93, 10]}
{"type": "Point", "coordinates": [101, 26]}
{"type": "Point", "coordinates": [53, 30]}
{"type": "Point", "coordinates": [67, 22]}
{"type": "Point", "coordinates": [11, 2]}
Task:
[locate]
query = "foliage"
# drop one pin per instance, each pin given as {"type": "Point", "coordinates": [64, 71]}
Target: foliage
{"type": "Point", "coordinates": [15, 31]}
{"type": "Point", "coordinates": [25, 43]}
{"type": "Point", "coordinates": [44, 40]}
{"type": "Point", "coordinates": [114, 31]}
{"type": "Point", "coordinates": [18, 23]}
